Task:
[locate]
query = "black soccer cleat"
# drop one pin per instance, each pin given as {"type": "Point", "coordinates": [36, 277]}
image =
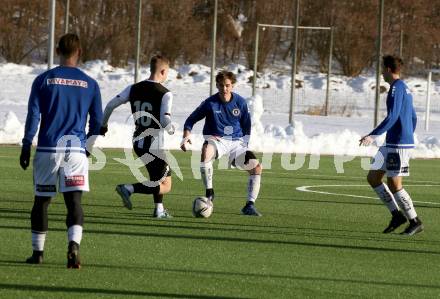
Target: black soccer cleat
{"type": "Point", "coordinates": [397, 220]}
{"type": "Point", "coordinates": [415, 226]}
{"type": "Point", "coordinates": [35, 258]}
{"type": "Point", "coordinates": [73, 260]}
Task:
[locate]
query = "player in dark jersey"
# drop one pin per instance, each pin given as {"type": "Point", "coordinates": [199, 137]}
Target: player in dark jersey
{"type": "Point", "coordinates": [62, 98]}
{"type": "Point", "coordinates": [151, 105]}
{"type": "Point", "coordinates": [393, 158]}
{"type": "Point", "coordinates": [227, 132]}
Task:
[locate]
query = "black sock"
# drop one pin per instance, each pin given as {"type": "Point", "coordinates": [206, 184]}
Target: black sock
{"type": "Point", "coordinates": [158, 198]}
{"type": "Point", "coordinates": [210, 193]}
{"type": "Point", "coordinates": [249, 203]}
{"type": "Point", "coordinates": [141, 188]}
{"type": "Point", "coordinates": [396, 212]}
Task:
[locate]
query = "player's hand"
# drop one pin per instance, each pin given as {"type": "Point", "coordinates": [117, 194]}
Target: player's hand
{"type": "Point", "coordinates": [366, 140]}
{"type": "Point", "coordinates": [183, 144]}
{"type": "Point", "coordinates": [103, 130]}
{"type": "Point", "coordinates": [25, 157]}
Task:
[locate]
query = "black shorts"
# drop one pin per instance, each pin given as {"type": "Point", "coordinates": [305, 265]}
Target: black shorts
{"type": "Point", "coordinates": [157, 168]}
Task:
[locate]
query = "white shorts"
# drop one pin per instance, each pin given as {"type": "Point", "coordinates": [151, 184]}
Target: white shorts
{"type": "Point", "coordinates": [69, 170]}
{"type": "Point", "coordinates": [393, 161]}
{"type": "Point", "coordinates": [234, 149]}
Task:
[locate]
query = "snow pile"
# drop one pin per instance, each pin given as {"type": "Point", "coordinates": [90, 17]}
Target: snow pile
{"type": "Point", "coordinates": [11, 130]}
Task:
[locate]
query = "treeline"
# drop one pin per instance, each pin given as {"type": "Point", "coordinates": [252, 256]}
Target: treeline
{"type": "Point", "coordinates": [182, 30]}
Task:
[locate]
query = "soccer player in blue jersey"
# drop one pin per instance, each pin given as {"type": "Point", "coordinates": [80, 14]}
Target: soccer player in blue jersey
{"type": "Point", "coordinates": [60, 100]}
{"type": "Point", "coordinates": [227, 132]}
{"type": "Point", "coordinates": [393, 158]}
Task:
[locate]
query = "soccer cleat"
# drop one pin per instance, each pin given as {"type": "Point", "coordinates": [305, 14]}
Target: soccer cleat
{"type": "Point", "coordinates": [73, 260]}
{"type": "Point", "coordinates": [415, 226]}
{"type": "Point", "coordinates": [125, 196]}
{"type": "Point", "coordinates": [397, 220]}
{"type": "Point", "coordinates": [250, 210]}
{"type": "Point", "coordinates": [163, 215]}
{"type": "Point", "coordinates": [35, 258]}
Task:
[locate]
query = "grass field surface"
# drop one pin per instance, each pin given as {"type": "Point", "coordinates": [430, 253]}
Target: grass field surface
{"type": "Point", "coordinates": [306, 245]}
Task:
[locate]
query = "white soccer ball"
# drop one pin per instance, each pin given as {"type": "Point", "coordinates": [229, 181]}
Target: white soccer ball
{"type": "Point", "coordinates": [202, 207]}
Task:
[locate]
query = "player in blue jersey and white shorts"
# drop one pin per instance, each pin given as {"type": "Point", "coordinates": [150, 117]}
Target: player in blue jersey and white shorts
{"type": "Point", "coordinates": [227, 132]}
{"type": "Point", "coordinates": [392, 159]}
{"type": "Point", "coordinates": [61, 98]}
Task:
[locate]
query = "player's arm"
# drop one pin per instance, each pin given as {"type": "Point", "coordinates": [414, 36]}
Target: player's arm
{"type": "Point", "coordinates": [165, 113]}
{"type": "Point", "coordinates": [414, 119]}
{"type": "Point", "coordinates": [246, 124]}
{"type": "Point", "coordinates": [117, 101]}
{"type": "Point", "coordinates": [31, 126]}
{"type": "Point", "coordinates": [194, 117]}
{"type": "Point", "coordinates": [396, 101]}
{"type": "Point", "coordinates": [95, 112]}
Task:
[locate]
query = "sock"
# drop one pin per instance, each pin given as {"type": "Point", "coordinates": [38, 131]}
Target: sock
{"type": "Point", "coordinates": [254, 187]}
{"type": "Point", "coordinates": [206, 170]}
{"type": "Point", "coordinates": [210, 193]}
{"type": "Point", "coordinates": [38, 239]}
{"type": "Point", "coordinates": [159, 207]}
{"type": "Point", "coordinates": [405, 203]}
{"type": "Point", "coordinates": [74, 233]}
{"type": "Point", "coordinates": [386, 197]}
{"type": "Point", "coordinates": [141, 188]}
{"type": "Point", "coordinates": [130, 188]}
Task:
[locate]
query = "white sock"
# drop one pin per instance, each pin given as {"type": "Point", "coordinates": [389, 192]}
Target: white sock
{"type": "Point", "coordinates": [38, 239]}
{"type": "Point", "coordinates": [206, 170]}
{"type": "Point", "coordinates": [130, 188]}
{"type": "Point", "coordinates": [74, 233]}
{"type": "Point", "coordinates": [405, 203]}
{"type": "Point", "coordinates": [159, 207]}
{"type": "Point", "coordinates": [387, 197]}
{"type": "Point", "coordinates": [254, 187]}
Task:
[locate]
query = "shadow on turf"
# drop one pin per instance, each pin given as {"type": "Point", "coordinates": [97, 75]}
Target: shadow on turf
{"type": "Point", "coordinates": [21, 287]}
{"type": "Point", "coordinates": [247, 240]}
{"type": "Point", "coordinates": [229, 274]}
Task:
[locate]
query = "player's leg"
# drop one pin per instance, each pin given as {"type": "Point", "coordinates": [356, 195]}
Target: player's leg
{"type": "Point", "coordinates": [398, 168]}
{"type": "Point", "coordinates": [73, 180]}
{"type": "Point", "coordinates": [374, 178]}
{"type": "Point", "coordinates": [208, 155]}
{"type": "Point", "coordinates": [45, 178]}
{"type": "Point", "coordinates": [160, 172]}
{"type": "Point", "coordinates": [39, 227]}
{"type": "Point", "coordinates": [254, 168]}
{"type": "Point", "coordinates": [74, 224]}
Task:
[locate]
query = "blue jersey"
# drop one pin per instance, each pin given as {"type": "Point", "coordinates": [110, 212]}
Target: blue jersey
{"type": "Point", "coordinates": [401, 119]}
{"type": "Point", "coordinates": [230, 119]}
{"type": "Point", "coordinates": [62, 96]}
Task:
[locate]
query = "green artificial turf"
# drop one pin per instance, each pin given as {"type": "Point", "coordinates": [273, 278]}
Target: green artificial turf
{"type": "Point", "coordinates": [305, 245]}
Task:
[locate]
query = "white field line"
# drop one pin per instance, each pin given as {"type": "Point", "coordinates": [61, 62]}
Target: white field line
{"type": "Point", "coordinates": [307, 189]}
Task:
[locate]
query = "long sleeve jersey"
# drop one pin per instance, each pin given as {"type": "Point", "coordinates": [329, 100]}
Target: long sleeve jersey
{"type": "Point", "coordinates": [401, 119]}
{"type": "Point", "coordinates": [230, 119]}
{"type": "Point", "coordinates": [62, 98]}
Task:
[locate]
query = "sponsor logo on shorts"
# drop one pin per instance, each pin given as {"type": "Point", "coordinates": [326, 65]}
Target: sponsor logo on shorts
{"type": "Point", "coordinates": [74, 180]}
{"type": "Point", "coordinates": [68, 82]}
{"type": "Point", "coordinates": [236, 112]}
{"type": "Point", "coordinates": [404, 169]}
{"type": "Point", "coordinates": [46, 188]}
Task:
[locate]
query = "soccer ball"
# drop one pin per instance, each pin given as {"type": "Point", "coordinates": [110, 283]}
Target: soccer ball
{"type": "Point", "coordinates": [202, 207]}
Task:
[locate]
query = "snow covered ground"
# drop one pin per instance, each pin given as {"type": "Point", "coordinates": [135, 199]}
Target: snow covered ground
{"type": "Point", "coordinates": [351, 106]}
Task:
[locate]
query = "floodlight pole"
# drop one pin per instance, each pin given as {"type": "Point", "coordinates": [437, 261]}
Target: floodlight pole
{"type": "Point", "coordinates": [51, 41]}
{"type": "Point", "coordinates": [254, 81]}
{"type": "Point", "coordinates": [330, 58]}
{"type": "Point", "coordinates": [138, 41]}
{"type": "Point", "coordinates": [213, 45]}
{"type": "Point", "coordinates": [66, 17]}
{"type": "Point", "coordinates": [401, 44]}
{"type": "Point", "coordinates": [295, 51]}
{"type": "Point", "coordinates": [378, 62]}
